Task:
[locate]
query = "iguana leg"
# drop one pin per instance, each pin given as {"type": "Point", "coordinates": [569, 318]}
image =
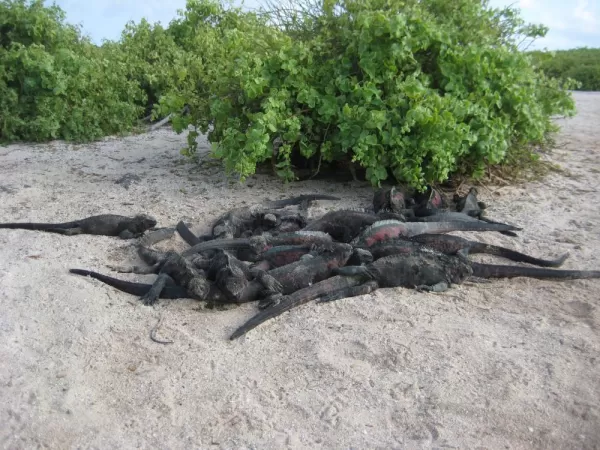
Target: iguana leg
{"type": "Point", "coordinates": [473, 279]}
{"type": "Point", "coordinates": [151, 256]}
{"type": "Point", "coordinates": [353, 291]}
{"type": "Point", "coordinates": [271, 284]}
{"type": "Point", "coordinates": [270, 301]}
{"type": "Point", "coordinates": [438, 287]}
{"type": "Point", "coordinates": [360, 257]}
{"type": "Point", "coordinates": [201, 262]}
{"type": "Point", "coordinates": [126, 234]}
{"type": "Point", "coordinates": [154, 293]}
{"type": "Point", "coordinates": [351, 271]}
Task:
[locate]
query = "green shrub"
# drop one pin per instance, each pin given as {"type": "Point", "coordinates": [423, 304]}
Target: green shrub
{"type": "Point", "coordinates": [151, 58]}
{"type": "Point", "coordinates": [54, 84]}
{"type": "Point", "coordinates": [580, 64]}
{"type": "Point", "coordinates": [416, 89]}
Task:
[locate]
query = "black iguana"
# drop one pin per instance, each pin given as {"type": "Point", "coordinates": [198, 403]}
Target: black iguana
{"type": "Point", "coordinates": [104, 224]}
{"type": "Point", "coordinates": [239, 220]}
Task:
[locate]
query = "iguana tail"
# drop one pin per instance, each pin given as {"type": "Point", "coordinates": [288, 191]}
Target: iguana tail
{"type": "Point", "coordinates": [297, 298]}
{"type": "Point", "coordinates": [298, 200]}
{"type": "Point", "coordinates": [506, 233]}
{"type": "Point", "coordinates": [129, 287]}
{"type": "Point", "coordinates": [38, 226]}
{"type": "Point", "coordinates": [216, 244]}
{"type": "Point", "coordinates": [497, 271]}
{"type": "Point", "coordinates": [190, 238]}
{"type": "Point", "coordinates": [479, 247]}
{"type": "Point", "coordinates": [414, 228]}
{"type": "Point", "coordinates": [449, 244]}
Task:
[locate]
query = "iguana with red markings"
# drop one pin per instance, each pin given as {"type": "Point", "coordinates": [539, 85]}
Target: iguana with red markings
{"type": "Point", "coordinates": [344, 225]}
{"type": "Point", "coordinates": [390, 229]}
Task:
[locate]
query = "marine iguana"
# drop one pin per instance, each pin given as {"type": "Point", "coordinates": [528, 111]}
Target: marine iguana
{"type": "Point", "coordinates": [421, 268]}
{"type": "Point", "coordinates": [432, 215]}
{"type": "Point", "coordinates": [390, 229]}
{"type": "Point", "coordinates": [232, 277]}
{"type": "Point", "coordinates": [169, 291]}
{"type": "Point", "coordinates": [153, 258]}
{"type": "Point", "coordinates": [104, 224]}
{"type": "Point", "coordinates": [469, 203]}
{"type": "Point", "coordinates": [344, 225]}
{"type": "Point", "coordinates": [183, 273]}
{"type": "Point", "coordinates": [468, 208]}
{"type": "Point", "coordinates": [311, 268]}
{"type": "Point", "coordinates": [448, 244]}
{"type": "Point", "coordinates": [258, 244]}
{"type": "Point", "coordinates": [503, 271]}
{"type": "Point", "coordinates": [390, 199]}
{"type": "Point", "coordinates": [452, 244]}
{"type": "Point", "coordinates": [303, 273]}
{"type": "Point", "coordinates": [235, 222]}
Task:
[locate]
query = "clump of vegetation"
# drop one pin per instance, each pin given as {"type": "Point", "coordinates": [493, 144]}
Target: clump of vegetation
{"type": "Point", "coordinates": [418, 90]}
{"type": "Point", "coordinates": [54, 83]}
{"type": "Point", "coordinates": [415, 90]}
{"type": "Point", "coordinates": [580, 64]}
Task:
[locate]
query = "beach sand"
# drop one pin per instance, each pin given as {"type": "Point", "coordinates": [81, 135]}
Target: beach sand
{"type": "Point", "coordinates": [511, 364]}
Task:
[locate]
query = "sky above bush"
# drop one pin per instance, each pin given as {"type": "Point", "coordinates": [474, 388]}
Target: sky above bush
{"type": "Point", "coordinates": [572, 24]}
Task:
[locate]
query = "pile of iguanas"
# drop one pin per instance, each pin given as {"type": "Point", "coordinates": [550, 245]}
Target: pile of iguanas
{"type": "Point", "coordinates": [281, 259]}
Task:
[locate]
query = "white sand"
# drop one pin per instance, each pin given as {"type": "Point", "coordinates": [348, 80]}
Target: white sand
{"type": "Point", "coordinates": [511, 364]}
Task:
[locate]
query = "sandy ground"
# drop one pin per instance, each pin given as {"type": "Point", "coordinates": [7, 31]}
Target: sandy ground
{"type": "Point", "coordinates": [511, 364]}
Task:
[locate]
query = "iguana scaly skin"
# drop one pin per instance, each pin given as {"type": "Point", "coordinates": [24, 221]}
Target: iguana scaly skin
{"type": "Point", "coordinates": [452, 244]}
{"type": "Point", "coordinates": [183, 273]}
{"type": "Point", "coordinates": [501, 271]}
{"type": "Point", "coordinates": [259, 244]}
{"type": "Point", "coordinates": [169, 291]}
{"type": "Point", "coordinates": [345, 225]}
{"type": "Point", "coordinates": [239, 220]}
{"type": "Point", "coordinates": [310, 269]}
{"type": "Point", "coordinates": [104, 224]}
{"type": "Point", "coordinates": [233, 276]}
{"type": "Point", "coordinates": [391, 229]}
{"type": "Point", "coordinates": [423, 268]}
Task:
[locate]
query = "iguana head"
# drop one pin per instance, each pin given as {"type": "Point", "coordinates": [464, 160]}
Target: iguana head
{"type": "Point", "coordinates": [397, 200]}
{"type": "Point", "coordinates": [199, 286]}
{"type": "Point", "coordinates": [144, 222]}
{"type": "Point", "coordinates": [460, 271]}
